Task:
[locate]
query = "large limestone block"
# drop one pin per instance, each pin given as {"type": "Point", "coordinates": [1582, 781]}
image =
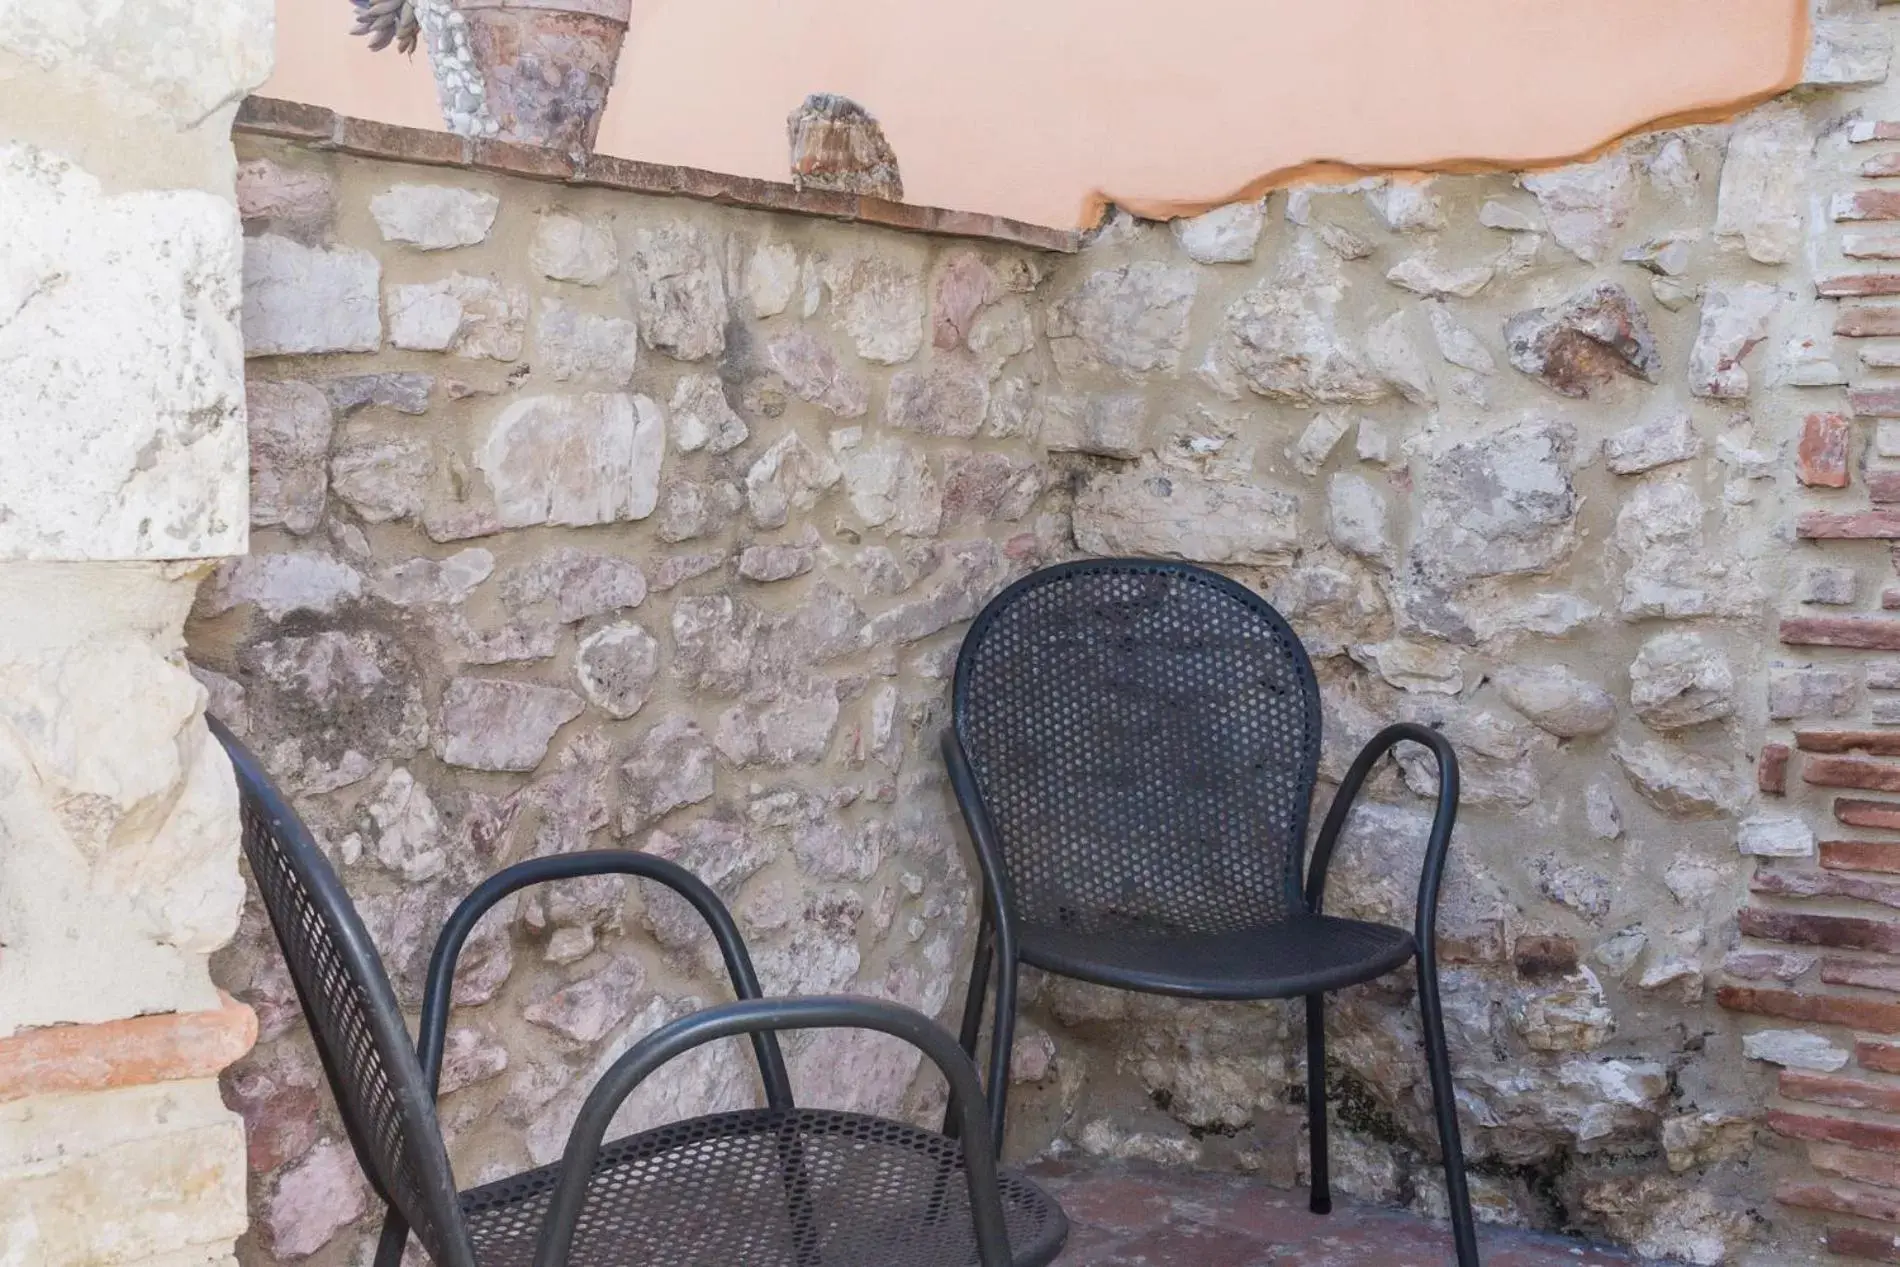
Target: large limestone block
{"type": "Point", "coordinates": [1499, 505]}
{"type": "Point", "coordinates": [136, 1175]}
{"type": "Point", "coordinates": [577, 460]}
{"type": "Point", "coordinates": [434, 217]}
{"type": "Point", "coordinates": [301, 300]}
{"type": "Point", "coordinates": [492, 724]}
{"type": "Point", "coordinates": [679, 291]}
{"type": "Point", "coordinates": [291, 425]}
{"type": "Point", "coordinates": [1133, 319]}
{"type": "Point", "coordinates": [1179, 516]}
{"type": "Point", "coordinates": [1283, 340]}
{"type": "Point", "coordinates": [878, 301]}
{"type": "Point", "coordinates": [1764, 175]}
{"type": "Point", "coordinates": [178, 59]}
{"type": "Point", "coordinates": [118, 814]}
{"type": "Point", "coordinates": [121, 369]}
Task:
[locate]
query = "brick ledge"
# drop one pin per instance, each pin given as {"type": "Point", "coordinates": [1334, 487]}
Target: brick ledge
{"type": "Point", "coordinates": [61, 1059]}
{"type": "Point", "coordinates": [322, 128]}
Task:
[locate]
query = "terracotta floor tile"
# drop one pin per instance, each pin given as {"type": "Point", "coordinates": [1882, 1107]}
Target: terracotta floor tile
{"type": "Point", "coordinates": [1139, 1216]}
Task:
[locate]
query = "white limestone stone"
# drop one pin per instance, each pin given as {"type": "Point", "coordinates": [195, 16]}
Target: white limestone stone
{"type": "Point", "coordinates": [1425, 275]}
{"type": "Point", "coordinates": [1407, 206]}
{"type": "Point", "coordinates": [616, 666]}
{"type": "Point", "coordinates": [121, 377]}
{"type": "Point", "coordinates": [1557, 699]}
{"type": "Point", "coordinates": [1763, 199]}
{"type": "Point", "coordinates": [1668, 437]}
{"type": "Point", "coordinates": [178, 61]}
{"type": "Point", "coordinates": [567, 248]}
{"type": "Point", "coordinates": [703, 418]}
{"type": "Point", "coordinates": [291, 423]}
{"type": "Point", "coordinates": [300, 300]}
{"type": "Point", "coordinates": [279, 584]}
{"type": "Point", "coordinates": [771, 279]}
{"type": "Point", "coordinates": [1795, 1049]}
{"type": "Point", "coordinates": [1356, 517]}
{"type": "Point", "coordinates": [492, 724]}
{"type": "Point", "coordinates": [575, 460]}
{"type": "Point", "coordinates": [679, 290]}
{"type": "Point", "coordinates": [1458, 345]}
{"type": "Point", "coordinates": [1734, 322]}
{"type": "Point", "coordinates": [1133, 319]}
{"type": "Point", "coordinates": [139, 1174]}
{"type": "Point", "coordinates": [574, 344]}
{"type": "Point", "coordinates": [110, 767]}
{"type": "Point", "coordinates": [1845, 52]}
{"type": "Point", "coordinates": [1182, 516]}
{"type": "Point", "coordinates": [1586, 203]}
{"type": "Point", "coordinates": [1775, 836]}
{"type": "Point", "coordinates": [1393, 352]}
{"type": "Point", "coordinates": [1225, 235]}
{"type": "Point", "coordinates": [434, 217]}
{"type": "Point", "coordinates": [477, 318]}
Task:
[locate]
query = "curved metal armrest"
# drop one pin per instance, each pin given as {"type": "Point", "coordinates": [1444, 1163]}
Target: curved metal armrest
{"type": "Point", "coordinates": [568, 866]}
{"type": "Point", "coordinates": [754, 1017]}
{"type": "Point", "coordinates": [989, 850]}
{"type": "Point", "coordinates": [1442, 821]}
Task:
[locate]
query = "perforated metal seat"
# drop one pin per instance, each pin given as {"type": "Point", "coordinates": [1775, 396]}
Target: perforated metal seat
{"type": "Point", "coordinates": [1292, 958]}
{"type": "Point", "coordinates": [1135, 747]}
{"type": "Point", "coordinates": [778, 1185]}
{"type": "Point", "coordinates": [766, 1189]}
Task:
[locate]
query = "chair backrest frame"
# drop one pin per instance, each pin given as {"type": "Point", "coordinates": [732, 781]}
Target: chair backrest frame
{"type": "Point", "coordinates": [1226, 775]}
{"type": "Point", "coordinates": [354, 1018]}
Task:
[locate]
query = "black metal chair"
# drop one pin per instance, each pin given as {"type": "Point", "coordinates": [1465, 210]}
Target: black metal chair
{"type": "Point", "coordinates": [774, 1187]}
{"type": "Point", "coordinates": [1134, 745]}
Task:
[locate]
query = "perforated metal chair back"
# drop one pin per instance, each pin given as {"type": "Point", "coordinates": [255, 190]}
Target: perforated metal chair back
{"type": "Point", "coordinates": [1146, 736]}
{"type": "Point", "coordinates": [354, 1018]}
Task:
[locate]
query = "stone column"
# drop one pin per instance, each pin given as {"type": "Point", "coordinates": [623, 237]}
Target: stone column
{"type": "Point", "coordinates": [123, 473]}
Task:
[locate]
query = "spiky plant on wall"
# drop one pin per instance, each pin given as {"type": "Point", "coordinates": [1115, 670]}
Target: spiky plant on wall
{"type": "Point", "coordinates": [387, 21]}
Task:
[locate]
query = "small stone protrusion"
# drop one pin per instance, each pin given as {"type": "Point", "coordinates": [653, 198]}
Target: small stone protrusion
{"type": "Point", "coordinates": [837, 145]}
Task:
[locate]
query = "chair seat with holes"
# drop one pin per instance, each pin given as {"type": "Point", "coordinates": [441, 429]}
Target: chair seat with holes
{"type": "Point", "coordinates": [763, 1188]}
{"type": "Point", "coordinates": [1286, 960]}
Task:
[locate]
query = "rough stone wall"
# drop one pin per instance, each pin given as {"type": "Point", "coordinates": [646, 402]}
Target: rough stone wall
{"type": "Point", "coordinates": [585, 518]}
{"type": "Point", "coordinates": [122, 420]}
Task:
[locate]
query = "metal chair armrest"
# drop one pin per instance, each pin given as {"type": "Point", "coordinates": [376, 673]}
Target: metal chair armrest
{"type": "Point", "coordinates": [764, 1016]}
{"type": "Point", "coordinates": [462, 921]}
{"type": "Point", "coordinates": [1436, 845]}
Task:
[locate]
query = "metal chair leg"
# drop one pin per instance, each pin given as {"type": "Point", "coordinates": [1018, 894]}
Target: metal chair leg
{"type": "Point", "coordinates": [1002, 1045]}
{"type": "Point", "coordinates": [1445, 1104]}
{"type": "Point", "coordinates": [1322, 1185]}
{"type": "Point", "coordinates": [394, 1240]}
{"type": "Point", "coordinates": [983, 962]}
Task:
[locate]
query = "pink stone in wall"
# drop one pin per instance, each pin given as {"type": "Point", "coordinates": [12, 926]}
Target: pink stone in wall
{"type": "Point", "coordinates": [316, 1199]}
{"type": "Point", "coordinates": [298, 201]}
{"type": "Point", "coordinates": [281, 1105]}
{"type": "Point", "coordinates": [1821, 458]}
{"type": "Point", "coordinates": [964, 286]}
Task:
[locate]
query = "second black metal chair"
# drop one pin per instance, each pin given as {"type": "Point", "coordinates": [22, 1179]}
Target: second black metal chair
{"type": "Point", "coordinates": [1135, 746]}
{"type": "Point", "coordinates": [780, 1186]}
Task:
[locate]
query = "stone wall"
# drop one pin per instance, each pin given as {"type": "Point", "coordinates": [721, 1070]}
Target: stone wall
{"type": "Point", "coordinates": [588, 518]}
{"type": "Point", "coordinates": [122, 420]}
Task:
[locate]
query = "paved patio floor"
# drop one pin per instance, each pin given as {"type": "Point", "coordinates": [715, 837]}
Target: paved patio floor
{"type": "Point", "coordinates": [1134, 1216]}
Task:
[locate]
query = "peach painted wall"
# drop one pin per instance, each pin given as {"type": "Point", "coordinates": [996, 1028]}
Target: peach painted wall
{"type": "Point", "coordinates": [1040, 109]}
